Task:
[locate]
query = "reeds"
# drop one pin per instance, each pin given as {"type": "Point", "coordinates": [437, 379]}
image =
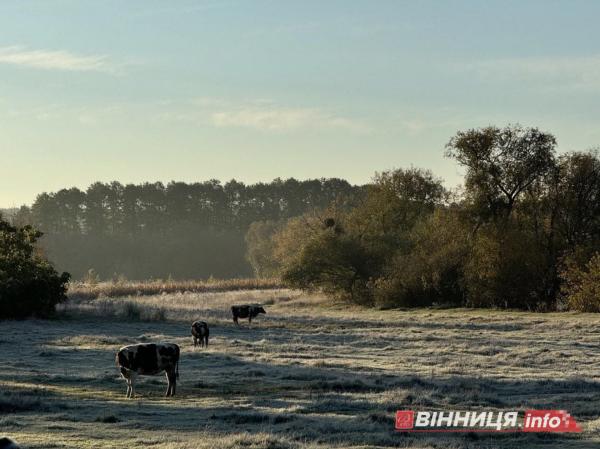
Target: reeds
{"type": "Point", "coordinates": [81, 291]}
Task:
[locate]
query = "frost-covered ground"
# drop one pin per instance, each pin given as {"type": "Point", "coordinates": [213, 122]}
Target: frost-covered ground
{"type": "Point", "coordinates": [307, 375]}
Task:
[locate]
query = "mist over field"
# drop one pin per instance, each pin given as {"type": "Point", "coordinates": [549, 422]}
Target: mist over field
{"type": "Point", "coordinates": [182, 231]}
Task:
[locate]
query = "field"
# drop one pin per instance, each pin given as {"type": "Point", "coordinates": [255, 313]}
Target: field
{"type": "Point", "coordinates": [306, 375]}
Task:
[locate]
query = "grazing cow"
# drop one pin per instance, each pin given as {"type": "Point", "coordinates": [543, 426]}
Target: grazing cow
{"type": "Point", "coordinates": [246, 311]}
{"type": "Point", "coordinates": [149, 359]}
{"type": "Point", "coordinates": [7, 443]}
{"type": "Point", "coordinates": [200, 333]}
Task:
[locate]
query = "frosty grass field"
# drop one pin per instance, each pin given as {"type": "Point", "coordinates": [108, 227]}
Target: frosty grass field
{"type": "Point", "coordinates": [306, 375]}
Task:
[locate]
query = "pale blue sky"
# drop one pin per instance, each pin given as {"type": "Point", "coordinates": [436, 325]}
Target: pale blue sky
{"type": "Point", "coordinates": [191, 90]}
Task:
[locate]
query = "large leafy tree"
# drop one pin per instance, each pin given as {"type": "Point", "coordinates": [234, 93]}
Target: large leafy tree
{"type": "Point", "coordinates": [29, 285]}
{"type": "Point", "coordinates": [576, 196]}
{"type": "Point", "coordinates": [501, 163]}
{"type": "Point", "coordinates": [395, 202]}
{"type": "Point", "coordinates": [349, 255]}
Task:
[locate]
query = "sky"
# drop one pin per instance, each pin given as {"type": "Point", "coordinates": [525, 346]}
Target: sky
{"type": "Point", "coordinates": [253, 90]}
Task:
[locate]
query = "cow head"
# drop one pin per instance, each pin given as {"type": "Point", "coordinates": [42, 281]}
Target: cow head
{"type": "Point", "coordinates": [121, 358]}
{"type": "Point", "coordinates": [260, 309]}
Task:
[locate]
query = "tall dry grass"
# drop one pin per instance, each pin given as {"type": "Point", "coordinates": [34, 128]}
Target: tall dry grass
{"type": "Point", "coordinates": [81, 291]}
{"type": "Point", "coordinates": [214, 306]}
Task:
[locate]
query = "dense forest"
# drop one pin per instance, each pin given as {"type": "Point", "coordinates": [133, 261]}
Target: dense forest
{"type": "Point", "coordinates": [180, 230]}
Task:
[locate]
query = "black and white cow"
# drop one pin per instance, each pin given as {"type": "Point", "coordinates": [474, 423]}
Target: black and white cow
{"type": "Point", "coordinates": [200, 333]}
{"type": "Point", "coordinates": [7, 443]}
{"type": "Point", "coordinates": [246, 311]}
{"type": "Point", "coordinates": [149, 359]}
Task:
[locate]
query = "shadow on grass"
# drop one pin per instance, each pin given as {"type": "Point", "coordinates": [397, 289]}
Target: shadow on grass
{"type": "Point", "coordinates": [223, 393]}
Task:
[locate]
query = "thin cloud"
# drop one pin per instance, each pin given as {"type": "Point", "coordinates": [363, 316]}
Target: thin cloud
{"type": "Point", "coordinates": [270, 117]}
{"type": "Point", "coordinates": [258, 114]}
{"type": "Point", "coordinates": [582, 72]}
{"type": "Point", "coordinates": [54, 60]}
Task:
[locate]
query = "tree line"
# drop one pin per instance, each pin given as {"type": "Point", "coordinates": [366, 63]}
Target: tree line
{"type": "Point", "coordinates": [523, 231]}
{"type": "Point", "coordinates": [182, 230]}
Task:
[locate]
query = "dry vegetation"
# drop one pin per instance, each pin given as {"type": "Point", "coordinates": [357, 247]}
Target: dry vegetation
{"type": "Point", "coordinates": [86, 290]}
{"type": "Point", "coordinates": [307, 375]}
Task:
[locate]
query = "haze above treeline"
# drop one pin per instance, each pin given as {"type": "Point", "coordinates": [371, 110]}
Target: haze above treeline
{"type": "Point", "coordinates": [177, 230]}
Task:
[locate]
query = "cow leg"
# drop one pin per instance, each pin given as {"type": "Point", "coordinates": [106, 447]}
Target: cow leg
{"type": "Point", "coordinates": [131, 382]}
{"type": "Point", "coordinates": [127, 377]}
{"type": "Point", "coordinates": [235, 320]}
{"type": "Point", "coordinates": [249, 321]}
{"type": "Point", "coordinates": [133, 375]}
{"type": "Point", "coordinates": [195, 342]}
{"type": "Point", "coordinates": [171, 378]}
{"type": "Point", "coordinates": [206, 341]}
{"type": "Point", "coordinates": [168, 393]}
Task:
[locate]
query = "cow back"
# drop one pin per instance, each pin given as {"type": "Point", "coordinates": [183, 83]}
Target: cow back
{"type": "Point", "coordinates": [199, 328]}
{"type": "Point", "coordinates": [241, 311]}
{"type": "Point", "coordinates": [148, 358]}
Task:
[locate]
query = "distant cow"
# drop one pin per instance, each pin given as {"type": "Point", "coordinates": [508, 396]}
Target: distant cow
{"type": "Point", "coordinates": [149, 359]}
{"type": "Point", "coordinates": [246, 311]}
{"type": "Point", "coordinates": [7, 443]}
{"type": "Point", "coordinates": [200, 333]}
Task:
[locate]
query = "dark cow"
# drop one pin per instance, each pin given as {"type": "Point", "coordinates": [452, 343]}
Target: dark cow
{"type": "Point", "coordinates": [200, 333]}
{"type": "Point", "coordinates": [246, 311]}
{"type": "Point", "coordinates": [7, 443]}
{"type": "Point", "coordinates": [149, 359]}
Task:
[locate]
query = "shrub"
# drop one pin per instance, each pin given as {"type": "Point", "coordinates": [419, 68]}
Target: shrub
{"type": "Point", "coordinates": [506, 269]}
{"type": "Point", "coordinates": [29, 284]}
{"type": "Point", "coordinates": [158, 314]}
{"type": "Point", "coordinates": [132, 311]}
{"type": "Point", "coordinates": [337, 264]}
{"type": "Point", "coordinates": [291, 238]}
{"type": "Point", "coordinates": [431, 272]}
{"type": "Point", "coordinates": [581, 285]}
